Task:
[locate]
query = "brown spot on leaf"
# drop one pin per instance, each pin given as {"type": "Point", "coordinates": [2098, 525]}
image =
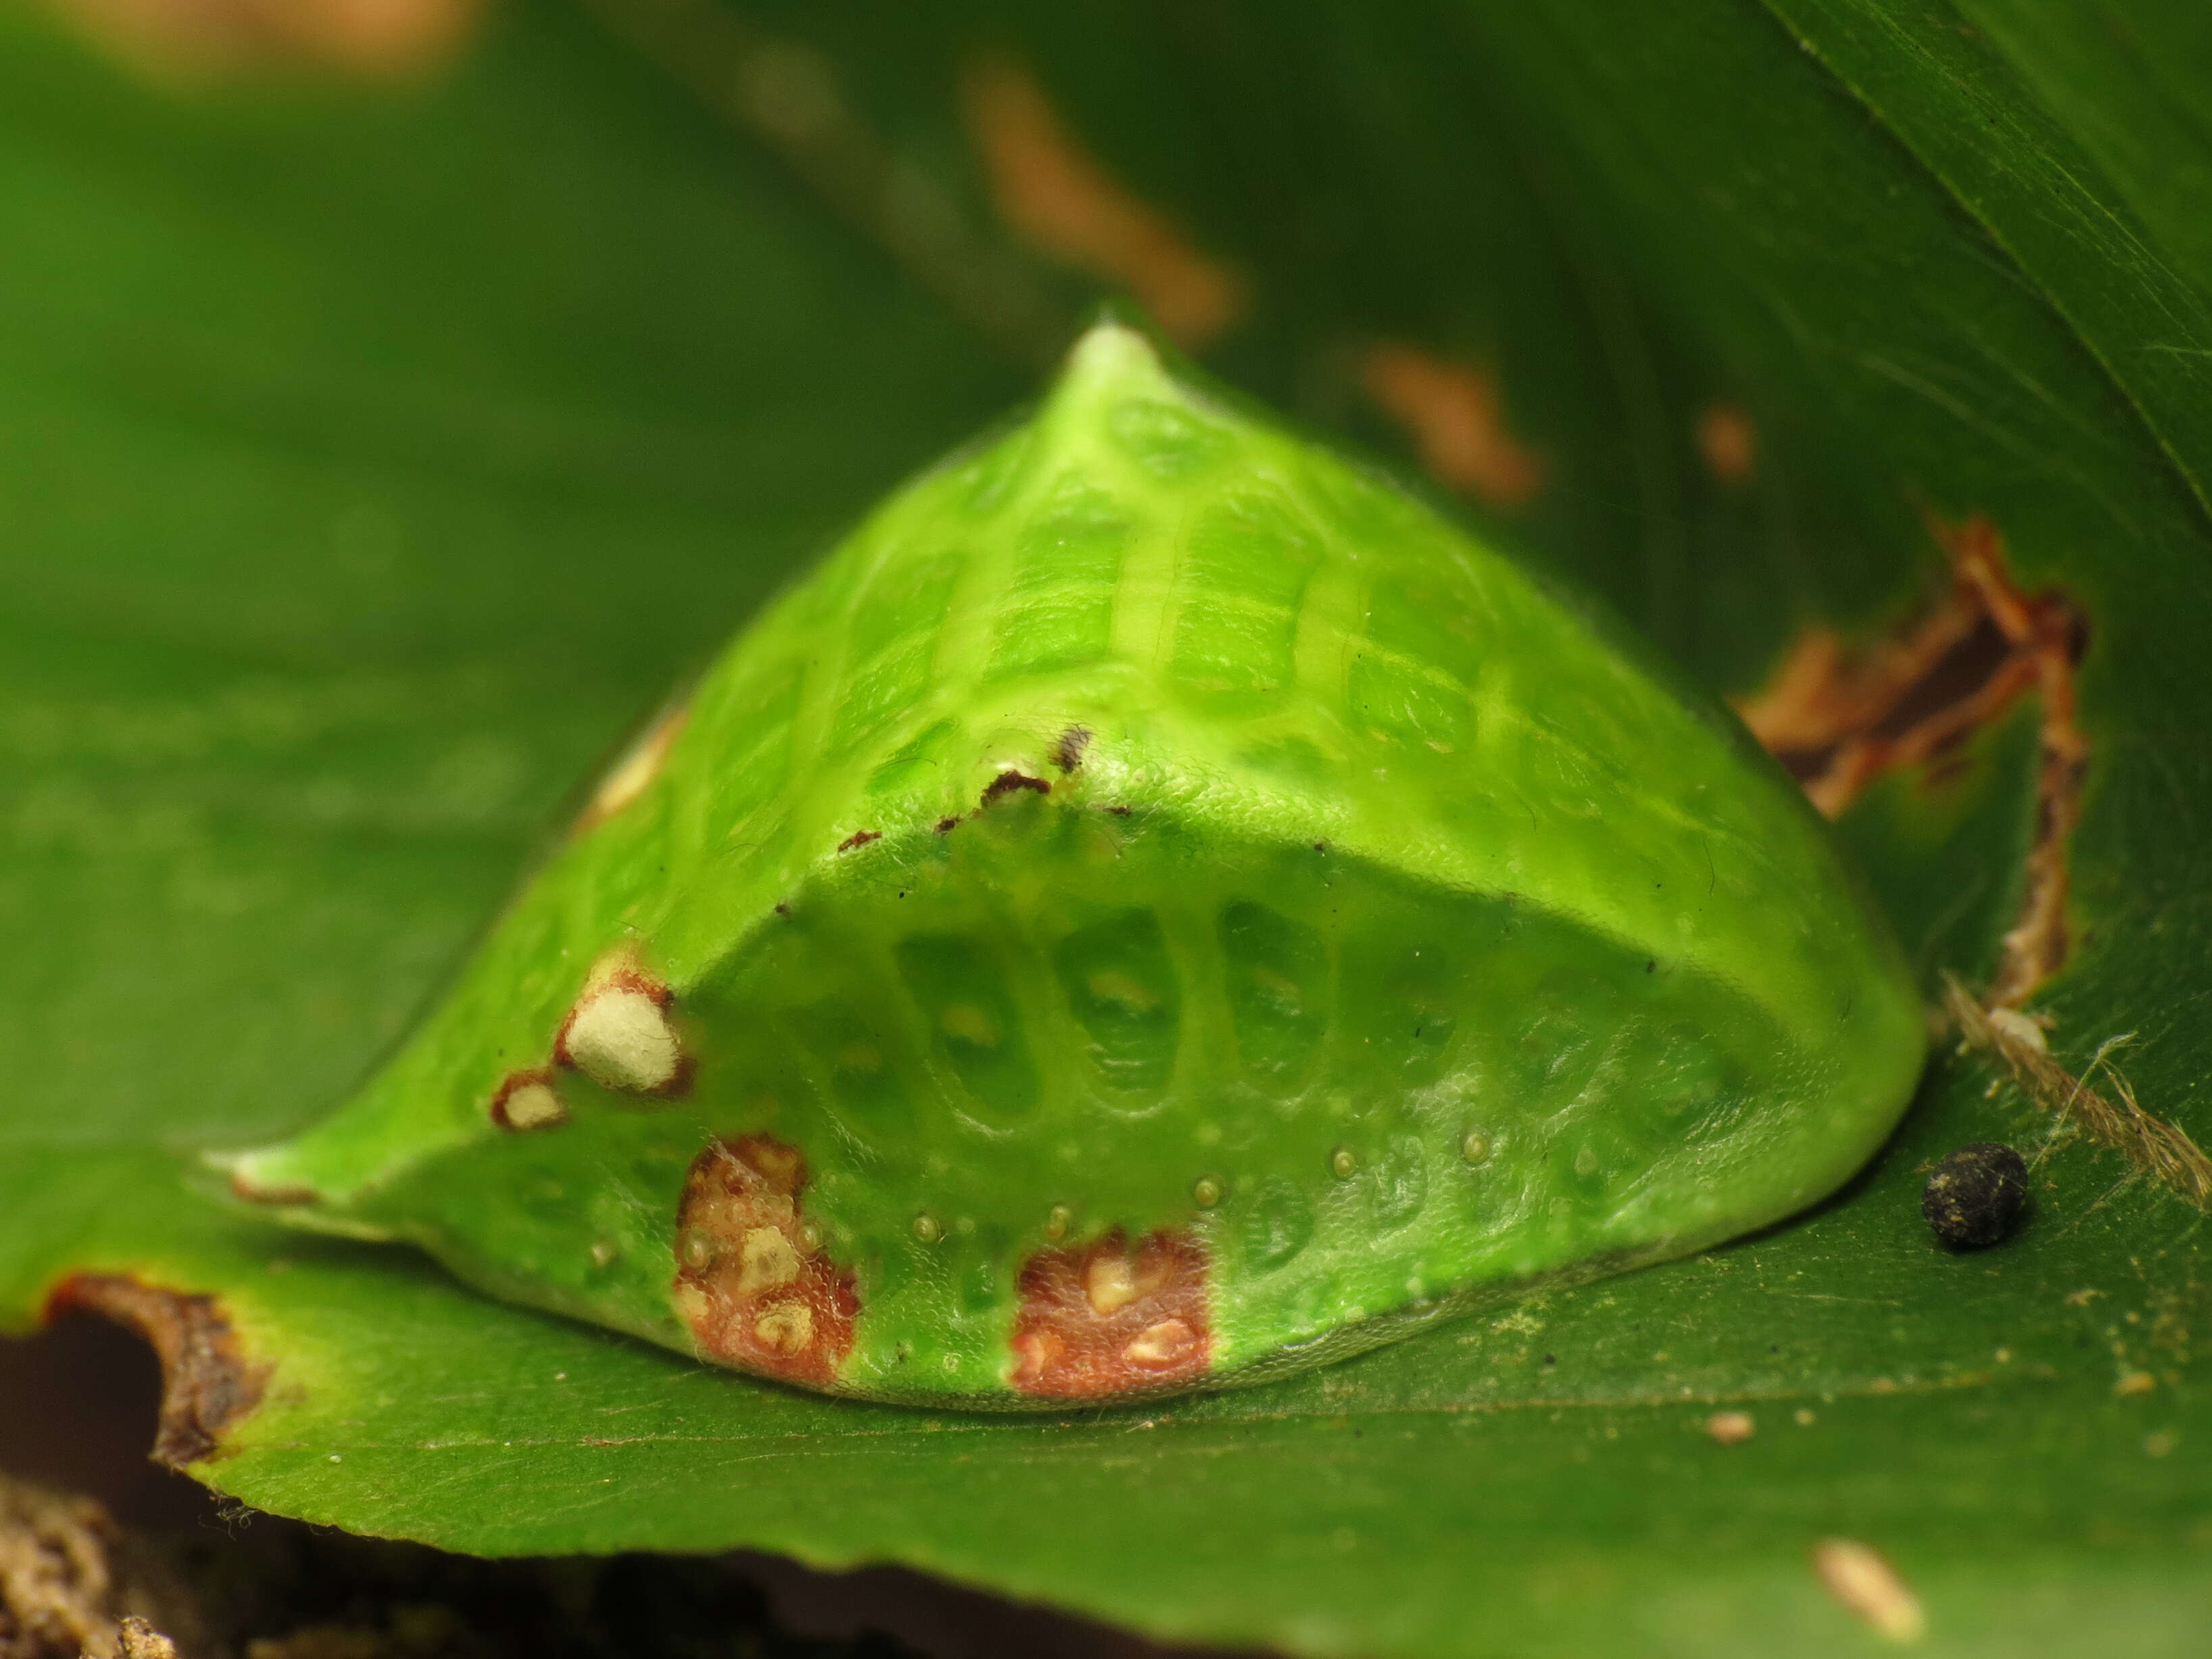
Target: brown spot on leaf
{"type": "Point", "coordinates": [947, 826]}
{"type": "Point", "coordinates": [619, 1033]}
{"type": "Point", "coordinates": [1068, 753]}
{"type": "Point", "coordinates": [1839, 717]}
{"type": "Point", "coordinates": [201, 40]}
{"type": "Point", "coordinates": [1010, 780]}
{"type": "Point", "coordinates": [1054, 193]}
{"type": "Point", "coordinates": [526, 1100]}
{"type": "Point", "coordinates": [1727, 443]}
{"type": "Point", "coordinates": [207, 1383]}
{"type": "Point", "coordinates": [859, 838]}
{"type": "Point", "coordinates": [1103, 1319]}
{"type": "Point", "coordinates": [1865, 1584]}
{"type": "Point", "coordinates": [1456, 421]}
{"type": "Point", "coordinates": [630, 776]}
{"type": "Point", "coordinates": [751, 1282]}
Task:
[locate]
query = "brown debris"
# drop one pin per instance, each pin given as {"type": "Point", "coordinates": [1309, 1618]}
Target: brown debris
{"type": "Point", "coordinates": [72, 1585]}
{"type": "Point", "coordinates": [1010, 780]}
{"type": "Point", "coordinates": [1456, 420]}
{"type": "Point", "coordinates": [207, 1383]}
{"type": "Point", "coordinates": [2159, 1149]}
{"type": "Point", "coordinates": [1051, 191]}
{"type": "Point", "coordinates": [1729, 443]}
{"type": "Point", "coordinates": [199, 40]}
{"type": "Point", "coordinates": [859, 838]}
{"type": "Point", "coordinates": [1068, 753]}
{"type": "Point", "coordinates": [1839, 717]}
{"type": "Point", "coordinates": [1102, 1319]}
{"type": "Point", "coordinates": [752, 1280]}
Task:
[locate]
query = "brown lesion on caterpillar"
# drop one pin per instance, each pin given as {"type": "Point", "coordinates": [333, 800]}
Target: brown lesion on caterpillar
{"type": "Point", "coordinates": [630, 776]}
{"type": "Point", "coordinates": [753, 1283]}
{"type": "Point", "coordinates": [1841, 716]}
{"type": "Point", "coordinates": [945, 826]}
{"type": "Point", "coordinates": [1008, 781]}
{"type": "Point", "coordinates": [527, 1100]}
{"type": "Point", "coordinates": [1053, 193]}
{"type": "Point", "coordinates": [208, 1382]}
{"type": "Point", "coordinates": [1111, 1318]}
{"type": "Point", "coordinates": [621, 1033]}
{"type": "Point", "coordinates": [859, 838]}
{"type": "Point", "coordinates": [1456, 416]}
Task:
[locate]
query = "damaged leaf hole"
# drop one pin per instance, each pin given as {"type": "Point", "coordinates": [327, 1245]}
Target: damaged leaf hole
{"type": "Point", "coordinates": [1839, 717]}
{"type": "Point", "coordinates": [208, 1383]}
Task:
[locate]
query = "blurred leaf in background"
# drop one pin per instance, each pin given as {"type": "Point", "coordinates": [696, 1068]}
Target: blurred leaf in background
{"type": "Point", "coordinates": [382, 431]}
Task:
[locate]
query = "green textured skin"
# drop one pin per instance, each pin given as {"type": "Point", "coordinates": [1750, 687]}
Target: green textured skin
{"type": "Point", "coordinates": [1412, 852]}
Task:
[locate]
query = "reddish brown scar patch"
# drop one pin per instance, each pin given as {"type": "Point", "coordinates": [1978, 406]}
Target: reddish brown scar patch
{"type": "Point", "coordinates": [1051, 191]}
{"type": "Point", "coordinates": [207, 1382]}
{"type": "Point", "coordinates": [1458, 422]}
{"type": "Point", "coordinates": [1009, 781]}
{"type": "Point", "coordinates": [947, 826]}
{"type": "Point", "coordinates": [1841, 716]}
{"type": "Point", "coordinates": [1103, 1319]}
{"type": "Point", "coordinates": [859, 838]}
{"type": "Point", "coordinates": [754, 1287]}
{"type": "Point", "coordinates": [527, 1100]}
{"type": "Point", "coordinates": [619, 1033]}
{"type": "Point", "coordinates": [1727, 442]}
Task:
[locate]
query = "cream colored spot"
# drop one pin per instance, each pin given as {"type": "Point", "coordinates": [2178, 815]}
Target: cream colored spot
{"type": "Point", "coordinates": [767, 1261]}
{"type": "Point", "coordinates": [696, 1305]}
{"type": "Point", "coordinates": [2020, 1027]}
{"type": "Point", "coordinates": [970, 1025]}
{"type": "Point", "coordinates": [1159, 1347]}
{"type": "Point", "coordinates": [1731, 1428]}
{"type": "Point", "coordinates": [699, 1250]}
{"type": "Point", "coordinates": [1125, 991]}
{"type": "Point", "coordinates": [787, 1328]}
{"type": "Point", "coordinates": [1859, 1578]}
{"type": "Point", "coordinates": [533, 1106]}
{"type": "Point", "coordinates": [620, 1038]}
{"type": "Point", "coordinates": [633, 774]}
{"type": "Point", "coordinates": [1109, 1284]}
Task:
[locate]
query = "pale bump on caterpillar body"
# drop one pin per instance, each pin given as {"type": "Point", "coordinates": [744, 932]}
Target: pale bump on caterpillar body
{"type": "Point", "coordinates": [1156, 908]}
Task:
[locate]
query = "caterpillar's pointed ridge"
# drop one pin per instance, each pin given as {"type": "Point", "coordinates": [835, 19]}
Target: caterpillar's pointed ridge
{"type": "Point", "coordinates": [1156, 907]}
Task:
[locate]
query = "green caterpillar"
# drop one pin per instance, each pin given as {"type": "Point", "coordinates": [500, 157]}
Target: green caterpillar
{"type": "Point", "coordinates": [1156, 907]}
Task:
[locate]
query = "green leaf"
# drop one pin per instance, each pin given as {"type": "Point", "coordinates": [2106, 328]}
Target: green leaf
{"type": "Point", "coordinates": [374, 458]}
